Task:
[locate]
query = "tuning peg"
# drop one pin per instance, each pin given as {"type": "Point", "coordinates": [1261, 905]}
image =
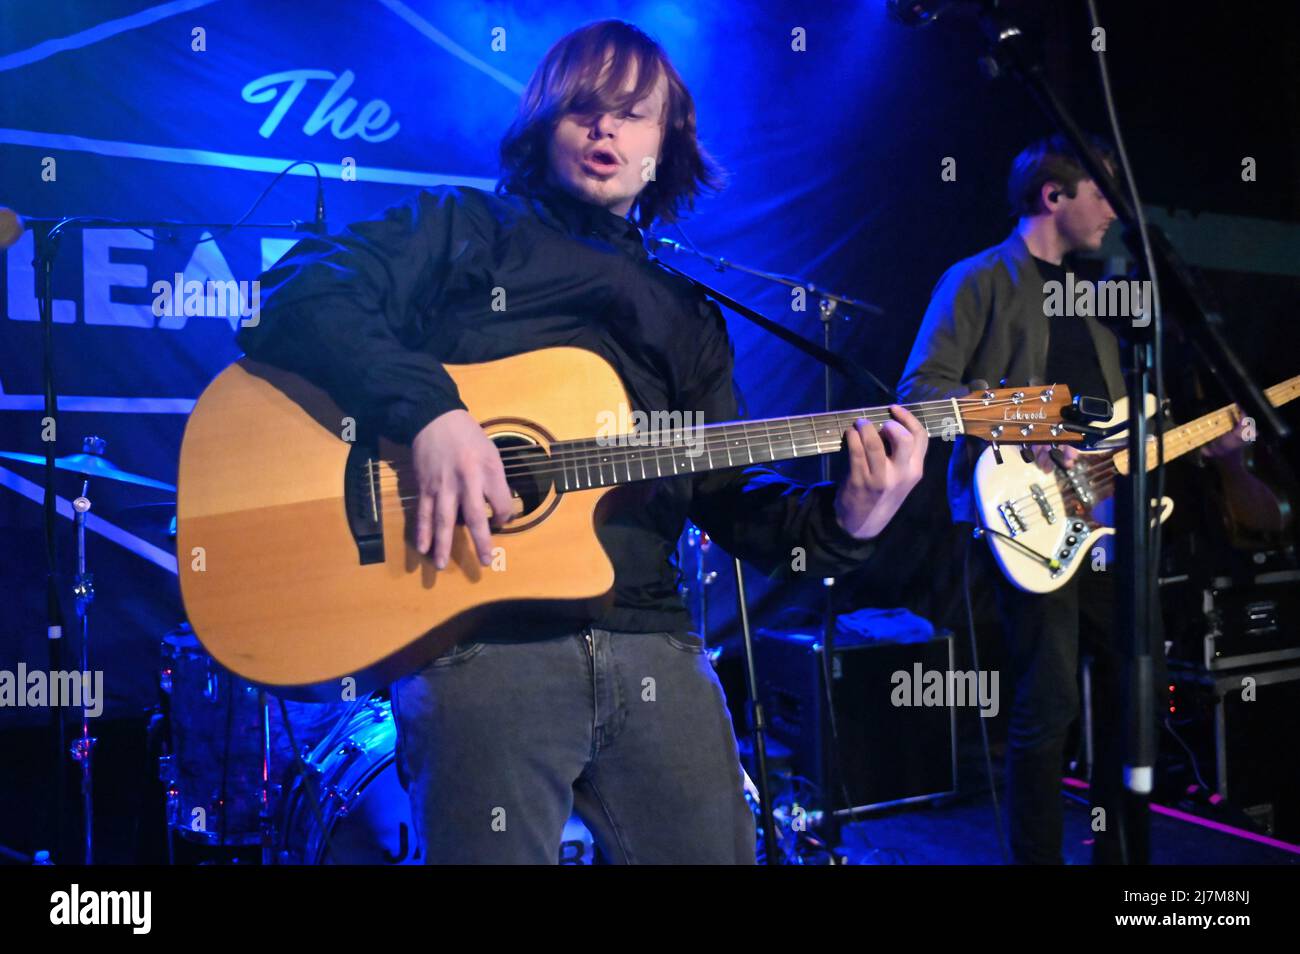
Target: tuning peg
{"type": "Point", "coordinates": [1026, 454]}
{"type": "Point", "coordinates": [997, 451]}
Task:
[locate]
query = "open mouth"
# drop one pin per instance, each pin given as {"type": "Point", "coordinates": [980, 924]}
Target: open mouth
{"type": "Point", "coordinates": [601, 161]}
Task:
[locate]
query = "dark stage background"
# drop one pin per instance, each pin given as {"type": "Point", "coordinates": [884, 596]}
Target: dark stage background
{"type": "Point", "coordinates": [835, 157]}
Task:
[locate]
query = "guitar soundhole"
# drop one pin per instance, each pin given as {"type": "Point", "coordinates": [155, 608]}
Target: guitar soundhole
{"type": "Point", "coordinates": [527, 466]}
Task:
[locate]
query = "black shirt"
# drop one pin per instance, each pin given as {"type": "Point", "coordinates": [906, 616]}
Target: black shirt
{"type": "Point", "coordinates": [1071, 353]}
{"type": "Point", "coordinates": [458, 275]}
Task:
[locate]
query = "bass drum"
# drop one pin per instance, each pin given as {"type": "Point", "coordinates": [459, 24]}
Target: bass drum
{"type": "Point", "coordinates": [213, 765]}
{"type": "Point", "coordinates": [356, 796]}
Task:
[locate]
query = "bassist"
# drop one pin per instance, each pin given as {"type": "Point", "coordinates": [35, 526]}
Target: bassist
{"type": "Point", "coordinates": [986, 321]}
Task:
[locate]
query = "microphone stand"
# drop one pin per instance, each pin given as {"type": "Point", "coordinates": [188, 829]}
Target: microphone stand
{"type": "Point", "coordinates": [1158, 262]}
{"type": "Point", "coordinates": [827, 304]}
{"type": "Point", "coordinates": [46, 234]}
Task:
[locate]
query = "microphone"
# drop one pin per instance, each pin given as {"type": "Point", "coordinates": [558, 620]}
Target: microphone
{"type": "Point", "coordinates": [319, 226]}
{"type": "Point", "coordinates": [11, 228]}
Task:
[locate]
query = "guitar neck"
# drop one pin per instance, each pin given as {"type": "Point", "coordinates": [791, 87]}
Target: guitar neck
{"type": "Point", "coordinates": [1204, 429]}
{"type": "Point", "coordinates": [668, 452]}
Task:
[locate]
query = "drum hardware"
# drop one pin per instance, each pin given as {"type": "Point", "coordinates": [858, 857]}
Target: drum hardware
{"type": "Point", "coordinates": [304, 772]}
{"type": "Point", "coordinates": [47, 234]}
{"type": "Point", "coordinates": [232, 752]}
{"type": "Point", "coordinates": [694, 546]}
{"type": "Point", "coordinates": [317, 790]}
{"type": "Point", "coordinates": [359, 813]}
{"type": "Point", "coordinates": [83, 591]}
{"type": "Point", "coordinates": [90, 463]}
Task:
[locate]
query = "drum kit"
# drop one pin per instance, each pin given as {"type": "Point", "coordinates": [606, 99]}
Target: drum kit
{"type": "Point", "coordinates": [303, 783]}
{"type": "Point", "coordinates": [313, 783]}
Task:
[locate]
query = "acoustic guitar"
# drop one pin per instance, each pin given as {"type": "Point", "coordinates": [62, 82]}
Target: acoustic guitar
{"type": "Point", "coordinates": [295, 534]}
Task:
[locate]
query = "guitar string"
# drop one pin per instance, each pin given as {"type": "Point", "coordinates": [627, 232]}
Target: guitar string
{"type": "Point", "coordinates": [582, 451]}
{"type": "Point", "coordinates": [578, 453]}
{"type": "Point", "coordinates": [1174, 448]}
{"type": "Point", "coordinates": [1188, 437]}
{"type": "Point", "coordinates": [1103, 489]}
{"type": "Point", "coordinates": [1191, 435]}
{"type": "Point", "coordinates": [406, 500]}
{"type": "Point", "coordinates": [717, 440]}
{"type": "Point", "coordinates": [1067, 495]}
{"type": "Point", "coordinates": [650, 462]}
{"type": "Point", "coordinates": [533, 460]}
{"type": "Point", "coordinates": [1055, 494]}
{"type": "Point", "coordinates": [540, 468]}
{"type": "Point", "coordinates": [587, 445]}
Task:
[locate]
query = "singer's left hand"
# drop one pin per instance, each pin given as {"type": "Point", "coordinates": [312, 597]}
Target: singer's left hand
{"type": "Point", "coordinates": [882, 472]}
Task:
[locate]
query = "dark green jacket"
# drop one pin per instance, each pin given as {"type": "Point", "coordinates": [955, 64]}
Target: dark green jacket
{"type": "Point", "coordinates": [985, 322]}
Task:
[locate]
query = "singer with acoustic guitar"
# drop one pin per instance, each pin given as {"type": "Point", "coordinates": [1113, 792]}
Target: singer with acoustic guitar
{"type": "Point", "coordinates": [617, 715]}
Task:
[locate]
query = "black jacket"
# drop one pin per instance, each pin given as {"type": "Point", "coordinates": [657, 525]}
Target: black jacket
{"type": "Point", "coordinates": [985, 322]}
{"type": "Point", "coordinates": [459, 275]}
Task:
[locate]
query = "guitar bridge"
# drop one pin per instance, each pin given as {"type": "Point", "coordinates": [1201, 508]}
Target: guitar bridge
{"type": "Point", "coordinates": [364, 503]}
{"type": "Point", "coordinates": [1015, 523]}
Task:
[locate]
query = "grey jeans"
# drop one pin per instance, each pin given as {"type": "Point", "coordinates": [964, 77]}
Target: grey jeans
{"type": "Point", "coordinates": [498, 742]}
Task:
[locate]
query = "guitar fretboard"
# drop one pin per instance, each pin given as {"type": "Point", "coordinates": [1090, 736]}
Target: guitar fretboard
{"type": "Point", "coordinates": [579, 465]}
{"type": "Point", "coordinates": [1206, 428]}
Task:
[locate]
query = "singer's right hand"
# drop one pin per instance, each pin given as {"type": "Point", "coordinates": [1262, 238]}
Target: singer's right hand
{"type": "Point", "coordinates": [457, 468]}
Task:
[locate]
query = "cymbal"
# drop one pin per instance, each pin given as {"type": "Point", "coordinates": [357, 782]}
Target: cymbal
{"type": "Point", "coordinates": [91, 465]}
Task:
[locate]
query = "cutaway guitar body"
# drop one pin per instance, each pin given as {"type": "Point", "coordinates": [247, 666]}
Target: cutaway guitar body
{"type": "Point", "coordinates": [272, 572]}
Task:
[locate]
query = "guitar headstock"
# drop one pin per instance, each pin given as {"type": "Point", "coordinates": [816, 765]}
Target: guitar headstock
{"type": "Point", "coordinates": [1027, 415]}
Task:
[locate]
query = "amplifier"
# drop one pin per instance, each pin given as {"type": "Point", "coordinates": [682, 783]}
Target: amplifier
{"type": "Point", "coordinates": [896, 745]}
{"type": "Point", "coordinates": [1242, 622]}
{"type": "Point", "coordinates": [1243, 723]}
